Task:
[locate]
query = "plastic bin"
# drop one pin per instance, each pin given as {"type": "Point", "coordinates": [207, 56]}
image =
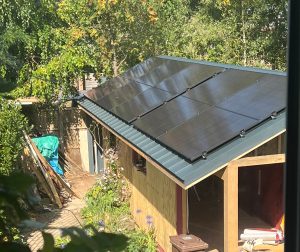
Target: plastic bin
{"type": "Point", "coordinates": [187, 243]}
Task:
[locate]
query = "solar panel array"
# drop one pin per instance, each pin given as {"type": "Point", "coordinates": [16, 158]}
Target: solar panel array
{"type": "Point", "coordinates": [191, 108]}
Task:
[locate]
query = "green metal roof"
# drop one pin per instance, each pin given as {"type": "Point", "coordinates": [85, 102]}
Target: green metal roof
{"type": "Point", "coordinates": [252, 69]}
{"type": "Point", "coordinates": [184, 173]}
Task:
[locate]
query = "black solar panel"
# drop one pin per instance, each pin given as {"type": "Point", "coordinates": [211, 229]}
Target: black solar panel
{"type": "Point", "coordinates": [176, 77]}
{"type": "Point", "coordinates": [143, 68]}
{"type": "Point", "coordinates": [141, 104]}
{"type": "Point", "coordinates": [107, 88]}
{"type": "Point", "coordinates": [205, 132]}
{"type": "Point", "coordinates": [259, 100]}
{"type": "Point", "coordinates": [223, 86]}
{"type": "Point", "coordinates": [217, 105]}
{"type": "Point", "coordinates": [161, 72]}
{"type": "Point", "coordinates": [120, 95]}
{"type": "Point", "coordinates": [169, 115]}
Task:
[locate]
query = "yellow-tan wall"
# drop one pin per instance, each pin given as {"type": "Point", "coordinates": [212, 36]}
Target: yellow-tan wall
{"type": "Point", "coordinates": [153, 195]}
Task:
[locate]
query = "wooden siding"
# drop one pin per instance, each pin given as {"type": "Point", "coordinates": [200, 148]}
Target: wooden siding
{"type": "Point", "coordinates": [153, 198]}
{"type": "Point", "coordinates": [66, 123]}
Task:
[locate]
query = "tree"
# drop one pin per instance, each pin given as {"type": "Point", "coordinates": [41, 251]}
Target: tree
{"type": "Point", "coordinates": [104, 37]}
{"type": "Point", "coordinates": [243, 32]}
{"type": "Point", "coordinates": [46, 45]}
{"type": "Point", "coordinates": [12, 123]}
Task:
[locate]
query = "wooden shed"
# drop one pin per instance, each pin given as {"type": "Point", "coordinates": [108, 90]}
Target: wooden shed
{"type": "Point", "coordinates": [201, 145]}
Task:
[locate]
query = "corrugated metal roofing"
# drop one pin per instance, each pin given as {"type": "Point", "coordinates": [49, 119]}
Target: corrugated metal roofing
{"type": "Point", "coordinates": [192, 107]}
{"type": "Point", "coordinates": [184, 173]}
{"type": "Point", "coordinates": [233, 91]}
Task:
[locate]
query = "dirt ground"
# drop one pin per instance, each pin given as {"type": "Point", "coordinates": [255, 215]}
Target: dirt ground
{"type": "Point", "coordinates": [53, 218]}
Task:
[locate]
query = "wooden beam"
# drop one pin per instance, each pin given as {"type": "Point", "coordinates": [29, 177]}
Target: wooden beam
{"type": "Point", "coordinates": [261, 160]}
{"type": "Point", "coordinates": [47, 177]}
{"type": "Point", "coordinates": [179, 214]}
{"type": "Point", "coordinates": [231, 207]}
{"type": "Point", "coordinates": [184, 211]}
{"type": "Point", "coordinates": [39, 174]}
{"type": "Point", "coordinates": [220, 174]}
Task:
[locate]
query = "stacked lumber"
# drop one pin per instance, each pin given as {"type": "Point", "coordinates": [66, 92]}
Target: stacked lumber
{"type": "Point", "coordinates": [51, 182]}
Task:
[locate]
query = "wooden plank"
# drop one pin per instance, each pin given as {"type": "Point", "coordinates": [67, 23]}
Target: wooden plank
{"type": "Point", "coordinates": [160, 168]}
{"type": "Point", "coordinates": [45, 174]}
{"type": "Point", "coordinates": [45, 164]}
{"type": "Point", "coordinates": [58, 179]}
{"type": "Point", "coordinates": [231, 207]}
{"type": "Point", "coordinates": [261, 160]}
{"type": "Point", "coordinates": [40, 176]}
{"type": "Point", "coordinates": [184, 211]}
{"type": "Point", "coordinates": [179, 216]}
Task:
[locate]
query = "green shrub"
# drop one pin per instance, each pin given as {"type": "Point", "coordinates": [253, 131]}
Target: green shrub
{"type": "Point", "coordinates": [141, 240]}
{"type": "Point", "coordinates": [12, 123]}
{"type": "Point", "coordinates": [12, 187]}
{"type": "Point", "coordinates": [107, 200]}
{"type": "Point", "coordinates": [107, 208]}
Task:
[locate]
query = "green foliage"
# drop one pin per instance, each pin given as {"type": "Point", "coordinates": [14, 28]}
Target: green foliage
{"type": "Point", "coordinates": [254, 32]}
{"type": "Point", "coordinates": [141, 241]}
{"type": "Point", "coordinates": [107, 208]}
{"type": "Point", "coordinates": [11, 212]}
{"type": "Point", "coordinates": [60, 41]}
{"type": "Point", "coordinates": [60, 242]}
{"type": "Point", "coordinates": [87, 239]}
{"type": "Point", "coordinates": [106, 202]}
{"type": "Point", "coordinates": [46, 45]}
{"type": "Point", "coordinates": [12, 123]}
{"type": "Point", "coordinates": [47, 51]}
{"type": "Point", "coordinates": [81, 240]}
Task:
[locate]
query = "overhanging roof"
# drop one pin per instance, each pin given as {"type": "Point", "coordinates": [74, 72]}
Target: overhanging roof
{"type": "Point", "coordinates": [182, 172]}
{"type": "Point", "coordinates": [147, 106]}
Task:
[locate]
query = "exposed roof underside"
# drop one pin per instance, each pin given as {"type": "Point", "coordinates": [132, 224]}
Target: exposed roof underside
{"type": "Point", "coordinates": [175, 111]}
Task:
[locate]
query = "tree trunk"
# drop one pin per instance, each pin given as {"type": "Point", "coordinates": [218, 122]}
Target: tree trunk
{"type": "Point", "coordinates": [115, 63]}
{"type": "Point", "coordinates": [244, 34]}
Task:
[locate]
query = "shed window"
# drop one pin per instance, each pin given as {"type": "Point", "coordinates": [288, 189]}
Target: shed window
{"type": "Point", "coordinates": [139, 162]}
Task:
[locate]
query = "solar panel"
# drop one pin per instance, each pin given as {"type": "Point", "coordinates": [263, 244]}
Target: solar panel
{"type": "Point", "coordinates": [259, 100]}
{"type": "Point", "coordinates": [142, 68]}
{"type": "Point", "coordinates": [223, 86]}
{"type": "Point", "coordinates": [217, 105]}
{"type": "Point", "coordinates": [161, 72]}
{"type": "Point", "coordinates": [205, 132]}
{"type": "Point", "coordinates": [141, 103]}
{"type": "Point", "coordinates": [169, 115]}
{"type": "Point", "coordinates": [107, 88]}
{"type": "Point", "coordinates": [120, 95]}
{"type": "Point", "coordinates": [176, 77]}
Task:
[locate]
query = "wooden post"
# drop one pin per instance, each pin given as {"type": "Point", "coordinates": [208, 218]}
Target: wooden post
{"type": "Point", "coordinates": [179, 209]}
{"type": "Point", "coordinates": [231, 207]}
{"type": "Point", "coordinates": [184, 211]}
{"type": "Point", "coordinates": [106, 139]}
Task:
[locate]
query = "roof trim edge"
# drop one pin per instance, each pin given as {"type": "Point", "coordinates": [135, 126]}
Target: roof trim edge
{"type": "Point", "coordinates": [230, 66]}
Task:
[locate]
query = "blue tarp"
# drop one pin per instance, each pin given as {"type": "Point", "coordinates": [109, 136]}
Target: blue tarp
{"type": "Point", "coordinates": [48, 146]}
